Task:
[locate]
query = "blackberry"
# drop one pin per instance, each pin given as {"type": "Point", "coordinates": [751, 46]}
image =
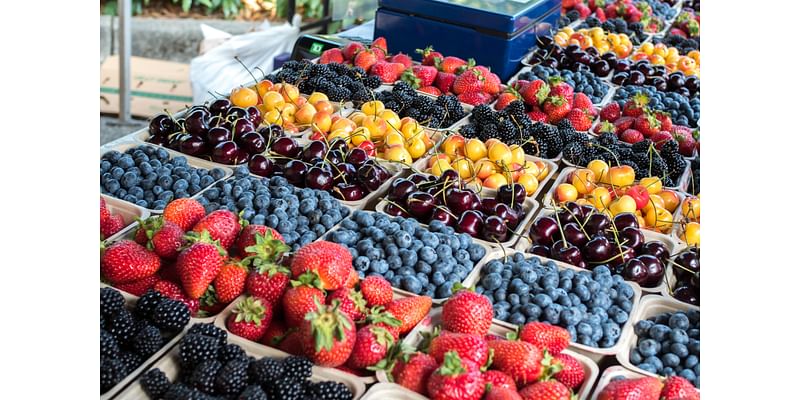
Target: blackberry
{"type": "Point", "coordinates": [296, 367]}
{"type": "Point", "coordinates": [573, 152]}
{"type": "Point", "coordinates": [230, 352]}
{"type": "Point", "coordinates": [180, 391]}
{"type": "Point", "coordinates": [147, 304]}
{"type": "Point", "coordinates": [675, 167]}
{"type": "Point", "coordinates": [391, 104]}
{"type": "Point", "coordinates": [403, 88]}
{"type": "Point", "coordinates": [468, 131]}
{"type": "Point", "coordinates": [265, 370]}
{"type": "Point", "coordinates": [343, 81]}
{"type": "Point", "coordinates": [607, 139]}
{"type": "Point", "coordinates": [642, 160]}
{"type": "Point", "coordinates": [608, 26]}
{"type": "Point", "coordinates": [434, 123]}
{"type": "Point", "coordinates": [305, 87]}
{"type": "Point", "coordinates": [147, 341]}
{"type": "Point", "coordinates": [195, 349]}
{"type": "Point", "coordinates": [439, 112]}
{"type": "Point", "coordinates": [210, 330]}
{"type": "Point", "coordinates": [624, 152]}
{"type": "Point", "coordinates": [318, 69]}
{"type": "Point", "coordinates": [565, 126]}
{"type": "Point", "coordinates": [253, 392]}
{"type": "Point", "coordinates": [292, 65]}
{"type": "Point", "coordinates": [232, 378]}
{"type": "Point", "coordinates": [330, 390]}
{"type": "Point", "coordinates": [668, 182]}
{"type": "Point", "coordinates": [111, 372]}
{"type": "Point", "coordinates": [573, 15]}
{"type": "Point", "coordinates": [358, 73]}
{"type": "Point", "coordinates": [102, 322]}
{"type": "Point", "coordinates": [658, 166]}
{"type": "Point", "coordinates": [121, 326]}
{"type": "Point", "coordinates": [356, 86]}
{"type": "Point", "coordinates": [413, 113]}
{"type": "Point", "coordinates": [516, 108]}
{"type": "Point", "coordinates": [363, 96]}
{"type": "Point", "coordinates": [488, 131]}
{"type": "Point", "coordinates": [286, 388]}
{"type": "Point", "coordinates": [108, 345]}
{"type": "Point", "coordinates": [372, 82]}
{"type": "Point", "coordinates": [111, 301]}
{"type": "Point", "coordinates": [534, 148]}
{"type": "Point", "coordinates": [481, 114]}
{"type": "Point", "coordinates": [669, 150]}
{"type": "Point", "coordinates": [154, 383]}
{"type": "Point", "coordinates": [203, 377]}
{"type": "Point", "coordinates": [506, 131]}
{"type": "Point", "coordinates": [171, 315]}
{"type": "Point", "coordinates": [403, 100]}
{"type": "Point", "coordinates": [642, 147]}
{"type": "Point", "coordinates": [130, 361]}
{"type": "Point", "coordinates": [553, 139]}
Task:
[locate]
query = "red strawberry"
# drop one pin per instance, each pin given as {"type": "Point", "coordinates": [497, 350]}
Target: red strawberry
{"type": "Point", "coordinates": [111, 225]}
{"type": "Point", "coordinates": [623, 123]}
{"type": "Point", "coordinates": [647, 388]}
{"type": "Point", "coordinates": [647, 124]}
{"type": "Point", "coordinates": [467, 312]}
{"type": "Point", "coordinates": [499, 379]}
{"type": "Point", "coordinates": [579, 119]}
{"type": "Point", "coordinates": [372, 345]}
{"type": "Point", "coordinates": [412, 371]}
{"type": "Point", "coordinates": [164, 237]}
{"type": "Point", "coordinates": [327, 335]}
{"type": "Point", "coordinates": [471, 80]}
{"type": "Point", "coordinates": [453, 65]}
{"type": "Point", "coordinates": [660, 138]}
{"type": "Point", "coordinates": [419, 75]}
{"type": "Point", "coordinates": [184, 212]}
{"type": "Point", "coordinates": [379, 317]}
{"type": "Point", "coordinates": [222, 225]}
{"type": "Point", "coordinates": [686, 144]}
{"type": "Point", "coordinates": [505, 99]}
{"type": "Point", "coordinates": [535, 92]}
{"type": "Point", "coordinates": [665, 120]}
{"type": "Point", "coordinates": [331, 262]}
{"type": "Point", "coordinates": [561, 88]}
{"type": "Point", "coordinates": [104, 212]}
{"type": "Point", "coordinates": [582, 102]}
{"type": "Point", "coordinates": [229, 283]}
{"type": "Point", "coordinates": [444, 81]}
{"type": "Point", "coordinates": [140, 286]}
{"type": "Point", "coordinates": [429, 56]}
{"type": "Point", "coordinates": [678, 388]}
{"type": "Point", "coordinates": [409, 311]}
{"type": "Point", "coordinates": [631, 136]}
{"type": "Point", "coordinates": [352, 280]}
{"type": "Point", "coordinates": [537, 116]}
{"type": "Point", "coordinates": [402, 59]}
{"type": "Point", "coordinates": [571, 374]}
{"type": "Point", "coordinates": [292, 343]}
{"type": "Point", "coordinates": [249, 319]}
{"type": "Point", "coordinates": [386, 71]}
{"type": "Point", "coordinates": [556, 108]}
{"type": "Point", "coordinates": [268, 245]}
{"type": "Point", "coordinates": [491, 84]}
{"type": "Point", "coordinates": [545, 336]}
{"type": "Point", "coordinates": [299, 300]}
{"type": "Point", "coordinates": [468, 346]}
{"type": "Point", "coordinates": [376, 290]}
{"type": "Point", "coordinates": [546, 390]}
{"type": "Point", "coordinates": [610, 112]}
{"type": "Point", "coordinates": [275, 333]}
{"type": "Point", "coordinates": [174, 292]}
{"type": "Point", "coordinates": [605, 126]}
{"type": "Point", "coordinates": [127, 261]}
{"type": "Point", "coordinates": [200, 263]}
{"type": "Point", "coordinates": [351, 303]}
{"type": "Point", "coordinates": [501, 393]}
{"type": "Point", "coordinates": [268, 282]}
{"type": "Point", "coordinates": [474, 98]}
{"type": "Point", "coordinates": [365, 59]}
{"type": "Point", "coordinates": [432, 90]}
{"type": "Point", "coordinates": [380, 42]}
{"type": "Point", "coordinates": [380, 55]}
{"type": "Point", "coordinates": [351, 49]}
{"type": "Point", "coordinates": [333, 55]}
{"type": "Point", "coordinates": [600, 14]}
{"type": "Point", "coordinates": [522, 361]}
{"type": "Point", "coordinates": [456, 379]}
{"type": "Point", "coordinates": [634, 107]}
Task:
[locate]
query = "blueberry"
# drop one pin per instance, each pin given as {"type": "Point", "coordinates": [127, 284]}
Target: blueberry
{"type": "Point", "coordinates": [111, 186]}
{"type": "Point", "coordinates": [517, 319]}
{"type": "Point", "coordinates": [642, 327]}
{"type": "Point", "coordinates": [635, 357]}
{"type": "Point", "coordinates": [361, 263]}
{"type": "Point", "coordinates": [655, 362]}
{"type": "Point", "coordinates": [659, 332]}
{"type": "Point", "coordinates": [670, 360]}
{"type": "Point", "coordinates": [427, 254]}
{"type": "Point", "coordinates": [403, 239]}
{"type": "Point", "coordinates": [159, 204]}
{"type": "Point", "coordinates": [513, 298]}
{"type": "Point", "coordinates": [648, 367]}
{"type": "Point", "coordinates": [691, 361]}
{"type": "Point", "coordinates": [476, 252]}
{"type": "Point", "coordinates": [688, 374]}
{"type": "Point", "coordinates": [679, 336]}
{"type": "Point", "coordinates": [552, 313]}
{"type": "Point", "coordinates": [462, 256]}
{"type": "Point", "coordinates": [422, 266]}
{"type": "Point", "coordinates": [679, 320]}
{"type": "Point", "coordinates": [409, 257]}
{"type": "Point", "coordinates": [444, 290]}
{"type": "Point", "coordinates": [500, 294]}
{"type": "Point", "coordinates": [694, 333]}
{"type": "Point", "coordinates": [648, 347]}
{"type": "Point", "coordinates": [542, 300]}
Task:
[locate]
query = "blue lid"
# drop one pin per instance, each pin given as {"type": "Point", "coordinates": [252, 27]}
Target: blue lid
{"type": "Point", "coordinates": [507, 16]}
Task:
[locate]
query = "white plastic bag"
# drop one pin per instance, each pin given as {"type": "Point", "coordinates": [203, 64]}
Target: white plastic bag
{"type": "Point", "coordinates": [217, 71]}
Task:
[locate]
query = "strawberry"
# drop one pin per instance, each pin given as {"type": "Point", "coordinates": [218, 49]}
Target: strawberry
{"type": "Point", "coordinates": [327, 335]}
{"type": "Point", "coordinates": [603, 127]}
{"type": "Point", "coordinates": [686, 144]}
{"type": "Point", "coordinates": [468, 346]}
{"type": "Point", "coordinates": [352, 303]}
{"type": "Point", "coordinates": [678, 388]}
{"type": "Point", "coordinates": [412, 371]}
{"type": "Point", "coordinates": [665, 120]}
{"type": "Point", "coordinates": [275, 333]}
{"type": "Point", "coordinates": [331, 262]}
{"type": "Point", "coordinates": [380, 42]}
{"type": "Point", "coordinates": [444, 81]}
{"type": "Point", "coordinates": [351, 49]}
{"type": "Point", "coordinates": [546, 390]}
{"type": "Point", "coordinates": [104, 212]}
{"type": "Point", "coordinates": [647, 388]}
{"type": "Point", "coordinates": [419, 75]}
{"type": "Point", "coordinates": [561, 88]}
{"type": "Point", "coordinates": [301, 299]}
{"type": "Point", "coordinates": [365, 59]}
{"type": "Point", "coordinates": [453, 65]}
{"type": "Point", "coordinates": [185, 212]}
{"type": "Point", "coordinates": [491, 83]}
{"type": "Point", "coordinates": [610, 112]}
{"type": "Point", "coordinates": [409, 311]}
{"type": "Point", "coordinates": [623, 123]}
{"type": "Point", "coordinates": [127, 261]}
{"type": "Point", "coordinates": [537, 116]}
{"type": "Point", "coordinates": [432, 90]}
{"type": "Point", "coordinates": [660, 138]}
{"type": "Point", "coordinates": [634, 107]}
{"type": "Point", "coordinates": [505, 99]}
{"type": "Point", "coordinates": [229, 283]}
{"type": "Point", "coordinates": [140, 286]}
{"type": "Point", "coordinates": [163, 237]}
{"type": "Point", "coordinates": [475, 98]}
{"type": "Point", "coordinates": [501, 393]}
{"type": "Point", "coordinates": [249, 319]}
{"type": "Point", "coordinates": [429, 56]}
{"type": "Point", "coordinates": [380, 55]}
{"type": "Point", "coordinates": [402, 59]}
{"type": "Point", "coordinates": [268, 282]}
{"type": "Point", "coordinates": [456, 379]}
{"type": "Point", "coordinates": [377, 291]}
{"type": "Point", "coordinates": [535, 92]}
{"type": "Point", "coordinates": [471, 80]}
{"type": "Point", "coordinates": [579, 119]}
{"type": "Point", "coordinates": [372, 345]}
{"type": "Point", "coordinates": [467, 312]}
{"type": "Point", "coordinates": [631, 136]}
{"type": "Point", "coordinates": [333, 55]}
{"type": "Point", "coordinates": [386, 71]}
{"type": "Point", "coordinates": [379, 317]}
{"type": "Point", "coordinates": [200, 263]}
{"type": "Point", "coordinates": [267, 244]}
{"type": "Point", "coordinates": [600, 14]}
{"type": "Point", "coordinates": [556, 108]}
{"type": "Point", "coordinates": [111, 225]}
{"type": "Point", "coordinates": [582, 102]}
{"type": "Point", "coordinates": [352, 280]}
{"type": "Point", "coordinates": [222, 225]}
{"type": "Point", "coordinates": [522, 361]}
{"type": "Point", "coordinates": [174, 292]}
{"type": "Point", "coordinates": [571, 374]}
{"type": "Point", "coordinates": [647, 124]}
{"type": "Point", "coordinates": [499, 379]}
{"type": "Point", "coordinates": [292, 342]}
{"type": "Point", "coordinates": [545, 336]}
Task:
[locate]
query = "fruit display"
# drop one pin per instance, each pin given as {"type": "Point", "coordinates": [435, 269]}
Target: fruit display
{"type": "Point", "coordinates": [299, 215]}
{"type": "Point", "coordinates": [131, 335]}
{"type": "Point", "coordinates": [687, 25]}
{"type": "Point", "coordinates": [432, 112]}
{"type": "Point", "coordinates": [686, 285]}
{"type": "Point", "coordinates": [421, 260]}
{"type": "Point", "coordinates": [110, 223]}
{"type": "Point", "coordinates": [688, 228]}
{"type": "Point", "coordinates": [439, 74]}
{"type": "Point", "coordinates": [151, 177]}
{"type": "Point", "coordinates": [583, 80]}
{"type": "Point", "coordinates": [670, 57]}
{"type": "Point", "coordinates": [340, 82]}
{"type": "Point", "coordinates": [682, 110]}
{"type": "Point", "coordinates": [207, 364]}
{"type": "Point", "coordinates": [668, 344]}
{"type": "Point", "coordinates": [523, 289]}
{"type": "Point", "coordinates": [672, 388]}
{"type": "Point", "coordinates": [634, 30]}
{"type": "Point", "coordinates": [550, 102]}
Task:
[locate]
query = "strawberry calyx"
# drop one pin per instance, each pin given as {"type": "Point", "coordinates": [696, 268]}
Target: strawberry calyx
{"type": "Point", "coordinates": [489, 361]}
{"type": "Point", "coordinates": [271, 269]}
{"type": "Point", "coordinates": [425, 52]}
{"type": "Point", "coordinates": [203, 237]}
{"type": "Point", "coordinates": [397, 351]}
{"type": "Point", "coordinates": [409, 77]}
{"type": "Point", "coordinates": [377, 315]}
{"type": "Point", "coordinates": [382, 336]}
{"type": "Point", "coordinates": [328, 323]}
{"type": "Point", "coordinates": [249, 310]}
{"type": "Point", "coordinates": [209, 297]}
{"type": "Point", "coordinates": [427, 338]}
{"type": "Point", "coordinates": [451, 366]}
{"type": "Point", "coordinates": [267, 249]}
{"type": "Point", "coordinates": [308, 278]}
{"type": "Point", "coordinates": [607, 127]}
{"type": "Point", "coordinates": [641, 100]}
{"type": "Point", "coordinates": [470, 63]}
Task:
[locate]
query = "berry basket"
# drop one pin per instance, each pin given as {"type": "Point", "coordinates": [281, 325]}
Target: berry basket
{"type": "Point", "coordinates": [390, 391]}
{"type": "Point", "coordinates": [190, 161]}
{"type": "Point", "coordinates": [595, 353]}
{"type": "Point", "coordinates": [132, 298]}
{"type": "Point", "coordinates": [611, 373]}
{"type": "Point", "coordinates": [169, 365]}
{"type": "Point", "coordinates": [129, 212]}
{"type": "Point", "coordinates": [606, 80]}
{"type": "Point", "coordinates": [650, 306]}
{"type": "Point", "coordinates": [415, 338]}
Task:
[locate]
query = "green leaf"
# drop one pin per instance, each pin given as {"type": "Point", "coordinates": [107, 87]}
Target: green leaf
{"type": "Point", "coordinates": [186, 5]}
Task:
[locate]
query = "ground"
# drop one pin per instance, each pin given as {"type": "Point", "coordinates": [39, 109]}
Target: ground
{"type": "Point", "coordinates": [110, 129]}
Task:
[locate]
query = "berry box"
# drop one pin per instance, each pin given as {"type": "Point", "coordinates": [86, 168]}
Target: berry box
{"type": "Point", "coordinates": [383, 391]}
{"type": "Point", "coordinates": [132, 299]}
{"type": "Point", "coordinates": [611, 373]}
{"type": "Point", "coordinates": [129, 212]}
{"type": "Point", "coordinates": [607, 81]}
{"type": "Point", "coordinates": [169, 365]}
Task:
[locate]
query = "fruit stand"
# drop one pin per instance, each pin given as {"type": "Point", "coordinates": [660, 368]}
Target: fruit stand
{"type": "Point", "coordinates": [375, 223]}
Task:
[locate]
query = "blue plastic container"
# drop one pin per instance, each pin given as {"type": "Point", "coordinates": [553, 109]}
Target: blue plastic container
{"type": "Point", "coordinates": [495, 33]}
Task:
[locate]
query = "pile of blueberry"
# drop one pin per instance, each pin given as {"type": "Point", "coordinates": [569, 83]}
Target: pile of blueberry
{"type": "Point", "coordinates": [683, 111]}
{"type": "Point", "coordinates": [299, 215]}
{"type": "Point", "coordinates": [149, 177]}
{"type": "Point", "coordinates": [662, 9]}
{"type": "Point", "coordinates": [424, 261]}
{"type": "Point", "coordinates": [669, 344]}
{"type": "Point", "coordinates": [592, 305]}
{"type": "Point", "coordinates": [583, 82]}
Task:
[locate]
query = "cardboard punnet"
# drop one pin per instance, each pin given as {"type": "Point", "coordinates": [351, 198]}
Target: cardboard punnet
{"type": "Point", "coordinates": [155, 85]}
